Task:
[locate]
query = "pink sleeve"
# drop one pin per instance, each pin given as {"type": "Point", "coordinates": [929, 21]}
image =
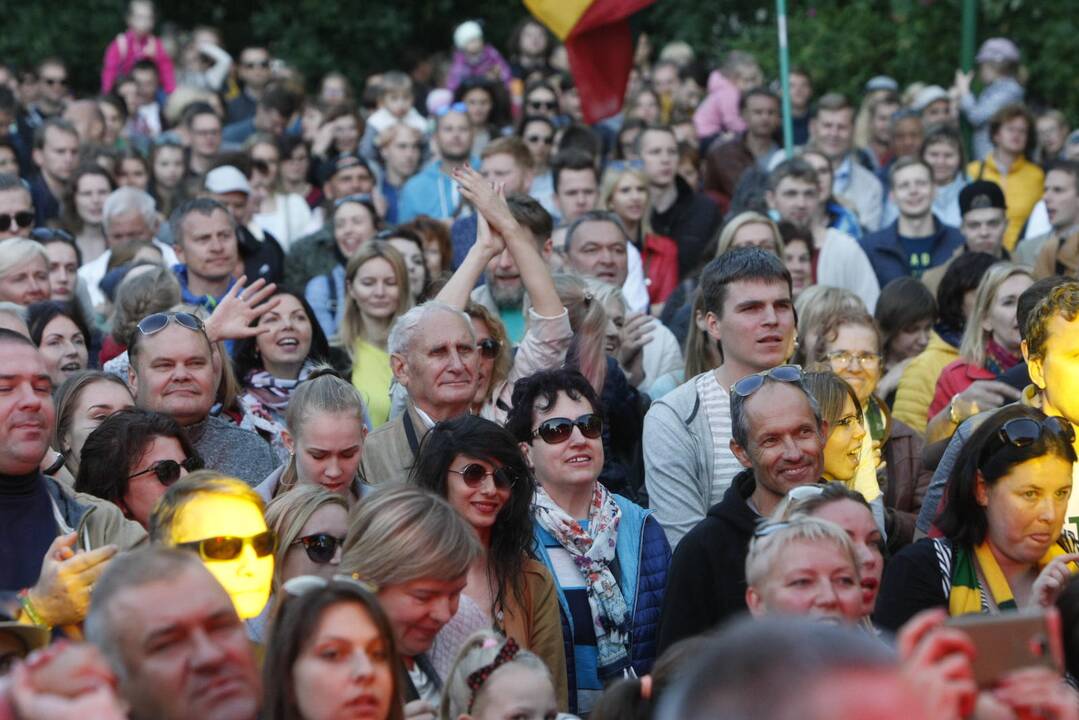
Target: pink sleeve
{"type": "Point", "coordinates": [165, 68]}
{"type": "Point", "coordinates": [731, 119]}
{"type": "Point", "coordinates": [708, 118]}
{"type": "Point", "coordinates": [111, 67]}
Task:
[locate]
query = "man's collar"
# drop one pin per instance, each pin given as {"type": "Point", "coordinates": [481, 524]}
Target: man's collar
{"type": "Point", "coordinates": [427, 421]}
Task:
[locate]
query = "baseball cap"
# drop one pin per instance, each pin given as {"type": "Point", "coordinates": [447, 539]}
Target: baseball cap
{"type": "Point", "coordinates": [227, 179]}
{"type": "Point", "coordinates": [997, 49]}
{"type": "Point", "coordinates": [881, 82]}
{"type": "Point", "coordinates": [341, 162]}
{"type": "Point", "coordinates": [927, 96]}
{"type": "Point", "coordinates": [979, 195]}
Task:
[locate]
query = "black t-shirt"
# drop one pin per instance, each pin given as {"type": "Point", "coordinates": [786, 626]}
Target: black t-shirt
{"type": "Point", "coordinates": [27, 528]}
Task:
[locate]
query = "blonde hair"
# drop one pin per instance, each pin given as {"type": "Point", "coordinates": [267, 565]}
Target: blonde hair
{"type": "Point", "coordinates": [322, 392]}
{"type": "Point", "coordinates": [352, 326]}
{"type": "Point", "coordinates": [588, 319]}
{"type": "Point", "coordinates": [813, 307]}
{"type": "Point", "coordinates": [739, 221]}
{"type": "Point", "coordinates": [504, 361]}
{"type": "Point", "coordinates": [478, 651]}
{"type": "Point", "coordinates": [145, 293]}
{"type": "Point", "coordinates": [17, 251]}
{"type": "Point", "coordinates": [972, 347]}
{"type": "Point", "coordinates": [611, 178]}
{"type": "Point", "coordinates": [401, 533]}
{"type": "Point", "coordinates": [390, 133]}
{"type": "Point", "coordinates": [289, 512]}
{"type": "Point", "coordinates": [764, 549]}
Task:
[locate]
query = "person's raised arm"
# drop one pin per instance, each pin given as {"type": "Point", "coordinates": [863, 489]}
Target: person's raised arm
{"type": "Point", "coordinates": [535, 275]}
{"type": "Point", "coordinates": [458, 289]}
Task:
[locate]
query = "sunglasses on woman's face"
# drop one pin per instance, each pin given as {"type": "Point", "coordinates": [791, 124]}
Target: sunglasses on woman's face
{"type": "Point", "coordinates": [557, 430]}
{"type": "Point", "coordinates": [229, 547]}
{"type": "Point", "coordinates": [20, 220]}
{"type": "Point", "coordinates": [168, 471]}
{"type": "Point", "coordinates": [320, 547]}
{"type": "Point", "coordinates": [542, 104]}
{"type": "Point", "coordinates": [474, 474]}
{"type": "Point", "coordinates": [489, 348]}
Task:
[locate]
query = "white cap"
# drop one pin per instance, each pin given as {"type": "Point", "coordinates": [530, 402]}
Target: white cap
{"type": "Point", "coordinates": [929, 95]}
{"type": "Point", "coordinates": [466, 32]}
{"type": "Point", "coordinates": [227, 179]}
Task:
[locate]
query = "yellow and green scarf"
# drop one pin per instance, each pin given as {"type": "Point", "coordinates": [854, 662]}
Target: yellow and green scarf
{"type": "Point", "coordinates": [966, 593]}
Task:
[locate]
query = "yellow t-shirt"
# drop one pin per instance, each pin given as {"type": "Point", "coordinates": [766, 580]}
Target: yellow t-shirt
{"type": "Point", "coordinates": [371, 375]}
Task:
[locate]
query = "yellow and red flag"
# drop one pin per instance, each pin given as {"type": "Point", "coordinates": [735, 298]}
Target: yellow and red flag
{"type": "Point", "coordinates": [599, 45]}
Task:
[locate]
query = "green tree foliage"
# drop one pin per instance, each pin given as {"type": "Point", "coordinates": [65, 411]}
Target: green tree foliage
{"type": "Point", "coordinates": [842, 42]}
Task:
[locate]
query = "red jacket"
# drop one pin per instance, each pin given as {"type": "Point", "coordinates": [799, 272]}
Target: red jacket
{"type": "Point", "coordinates": [956, 377]}
{"type": "Point", "coordinates": [660, 260]}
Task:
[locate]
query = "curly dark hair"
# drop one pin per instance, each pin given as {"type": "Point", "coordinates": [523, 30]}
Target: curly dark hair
{"type": "Point", "coordinates": [540, 391]}
{"type": "Point", "coordinates": [511, 535]}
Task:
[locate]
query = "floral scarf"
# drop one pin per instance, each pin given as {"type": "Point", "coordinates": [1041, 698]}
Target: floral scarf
{"type": "Point", "coordinates": [593, 551]}
{"type": "Point", "coordinates": [273, 392]}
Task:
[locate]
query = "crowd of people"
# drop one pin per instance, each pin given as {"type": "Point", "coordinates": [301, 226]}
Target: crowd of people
{"type": "Point", "coordinates": [416, 396]}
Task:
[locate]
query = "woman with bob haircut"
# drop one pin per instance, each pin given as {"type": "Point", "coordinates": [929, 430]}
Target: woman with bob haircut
{"type": "Point", "coordinates": [419, 590]}
{"type": "Point", "coordinates": [905, 314]}
{"type": "Point", "coordinates": [24, 272]}
{"type": "Point", "coordinates": [331, 653]}
{"type": "Point", "coordinates": [82, 403]}
{"type": "Point", "coordinates": [132, 457]}
{"type": "Point", "coordinates": [477, 466]}
{"type": "Point", "coordinates": [805, 567]}
{"type": "Point", "coordinates": [1003, 543]}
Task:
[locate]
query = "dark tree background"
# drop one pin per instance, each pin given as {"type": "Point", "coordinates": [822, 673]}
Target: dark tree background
{"type": "Point", "coordinates": [841, 42]}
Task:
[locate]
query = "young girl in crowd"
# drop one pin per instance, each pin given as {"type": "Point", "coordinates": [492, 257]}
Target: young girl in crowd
{"type": "Point", "coordinates": [62, 338]}
{"type": "Point", "coordinates": [169, 163]}
{"type": "Point", "coordinates": [133, 170]}
{"type": "Point", "coordinates": [797, 255]}
{"type": "Point", "coordinates": [905, 314]}
{"type": "Point", "coordinates": [83, 207]}
{"type": "Point", "coordinates": [494, 678]}
{"type": "Point", "coordinates": [326, 427]}
{"type": "Point", "coordinates": [83, 402]}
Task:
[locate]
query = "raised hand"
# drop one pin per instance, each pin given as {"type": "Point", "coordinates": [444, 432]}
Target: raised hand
{"type": "Point", "coordinates": [235, 315]}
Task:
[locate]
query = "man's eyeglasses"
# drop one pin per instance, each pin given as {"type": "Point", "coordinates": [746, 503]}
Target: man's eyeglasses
{"type": "Point", "coordinates": [474, 474]}
{"type": "Point", "coordinates": [489, 348]}
{"type": "Point", "coordinates": [168, 471]}
{"type": "Point", "coordinates": [45, 235]}
{"type": "Point", "coordinates": [1024, 432]}
{"type": "Point", "coordinates": [845, 359]}
{"type": "Point", "coordinates": [320, 547]}
{"type": "Point", "coordinates": [557, 430]}
{"type": "Point", "coordinates": [545, 139]}
{"type": "Point", "coordinates": [229, 547]}
{"type": "Point", "coordinates": [752, 383]}
{"type": "Point", "coordinates": [22, 219]}
{"type": "Point", "coordinates": [152, 324]}
{"type": "Point", "coordinates": [542, 104]}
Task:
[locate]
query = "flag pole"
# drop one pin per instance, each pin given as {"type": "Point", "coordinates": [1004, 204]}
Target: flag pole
{"type": "Point", "coordinates": [784, 77]}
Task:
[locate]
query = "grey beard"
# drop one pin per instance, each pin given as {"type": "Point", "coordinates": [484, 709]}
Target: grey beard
{"type": "Point", "coordinates": [507, 298]}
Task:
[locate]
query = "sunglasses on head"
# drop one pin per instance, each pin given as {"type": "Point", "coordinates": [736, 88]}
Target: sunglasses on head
{"type": "Point", "coordinates": [320, 547]}
{"type": "Point", "coordinates": [489, 348]}
{"type": "Point", "coordinates": [44, 235]}
{"type": "Point", "coordinates": [303, 584]}
{"type": "Point", "coordinates": [457, 107]}
{"type": "Point", "coordinates": [229, 547]}
{"type": "Point", "coordinates": [1024, 432]}
{"type": "Point", "coordinates": [355, 197]}
{"type": "Point", "coordinates": [752, 383]}
{"type": "Point", "coordinates": [157, 322]}
{"type": "Point", "coordinates": [22, 219]}
{"type": "Point", "coordinates": [474, 474]}
{"type": "Point", "coordinates": [557, 430]}
{"type": "Point", "coordinates": [168, 471]}
{"type": "Point", "coordinates": [766, 528]}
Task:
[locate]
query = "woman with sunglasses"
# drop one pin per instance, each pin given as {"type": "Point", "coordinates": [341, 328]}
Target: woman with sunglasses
{"type": "Point", "coordinates": [538, 132]}
{"type": "Point", "coordinates": [547, 336]}
{"type": "Point", "coordinates": [331, 655]}
{"type": "Point", "coordinates": [478, 468]}
{"type": "Point", "coordinates": [326, 430]}
{"type": "Point", "coordinates": [420, 591]}
{"type": "Point", "coordinates": [608, 556]}
{"type": "Point", "coordinates": [310, 523]}
{"type": "Point", "coordinates": [354, 221]}
{"type": "Point", "coordinates": [1003, 546]}
{"type": "Point", "coordinates": [132, 457]}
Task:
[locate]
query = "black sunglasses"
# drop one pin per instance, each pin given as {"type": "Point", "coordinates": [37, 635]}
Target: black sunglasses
{"type": "Point", "coordinates": [545, 139]}
{"type": "Point", "coordinates": [168, 471]}
{"type": "Point", "coordinates": [157, 322]}
{"type": "Point", "coordinates": [474, 474]}
{"type": "Point", "coordinates": [489, 348]}
{"type": "Point", "coordinates": [752, 383]}
{"type": "Point", "coordinates": [257, 64]}
{"type": "Point", "coordinates": [1024, 432]}
{"type": "Point", "coordinates": [542, 104]}
{"type": "Point", "coordinates": [22, 219]}
{"type": "Point", "coordinates": [320, 547]}
{"type": "Point", "coordinates": [229, 547]}
{"type": "Point", "coordinates": [558, 430]}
